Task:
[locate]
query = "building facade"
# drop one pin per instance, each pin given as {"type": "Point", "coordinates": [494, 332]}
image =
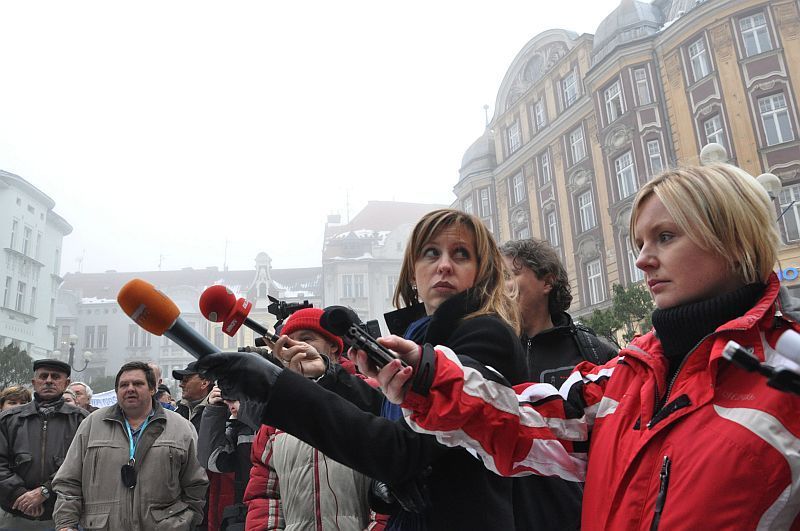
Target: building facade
{"type": "Point", "coordinates": [582, 121]}
{"type": "Point", "coordinates": [31, 234]}
{"type": "Point", "coordinates": [361, 259]}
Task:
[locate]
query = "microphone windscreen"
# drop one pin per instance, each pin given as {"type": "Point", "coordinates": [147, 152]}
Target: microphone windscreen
{"type": "Point", "coordinates": [216, 303]}
{"type": "Point", "coordinates": [338, 319]}
{"type": "Point", "coordinates": [148, 307]}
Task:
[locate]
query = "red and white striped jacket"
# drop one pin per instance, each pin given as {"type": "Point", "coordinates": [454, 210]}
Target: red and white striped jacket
{"type": "Point", "coordinates": [721, 452]}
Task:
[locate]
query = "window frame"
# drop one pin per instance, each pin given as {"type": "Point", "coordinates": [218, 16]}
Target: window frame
{"type": "Point", "coordinates": [514, 137]}
{"type": "Point", "coordinates": [720, 132]}
{"type": "Point", "coordinates": [544, 167]}
{"type": "Point", "coordinates": [594, 282]}
{"type": "Point", "coordinates": [626, 175]}
{"type": "Point", "coordinates": [785, 197]}
{"type": "Point", "coordinates": [517, 188]}
{"type": "Point", "coordinates": [699, 60]}
{"type": "Point", "coordinates": [774, 113]}
{"type": "Point", "coordinates": [614, 104]}
{"type": "Point", "coordinates": [586, 214]}
{"type": "Point", "coordinates": [651, 156]}
{"type": "Point", "coordinates": [569, 89]}
{"type": "Point", "coordinates": [551, 219]}
{"type": "Point", "coordinates": [640, 84]}
{"type": "Point", "coordinates": [754, 32]}
{"type": "Point", "coordinates": [577, 142]}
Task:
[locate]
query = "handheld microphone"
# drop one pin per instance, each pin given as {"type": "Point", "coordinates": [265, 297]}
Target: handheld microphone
{"type": "Point", "coordinates": [344, 322]}
{"type": "Point", "coordinates": [219, 304]}
{"type": "Point", "coordinates": [156, 313]}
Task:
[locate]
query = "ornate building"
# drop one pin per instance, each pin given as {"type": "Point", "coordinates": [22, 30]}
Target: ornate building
{"type": "Point", "coordinates": [582, 121]}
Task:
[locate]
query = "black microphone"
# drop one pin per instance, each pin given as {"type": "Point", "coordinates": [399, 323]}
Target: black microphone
{"type": "Point", "coordinates": [156, 313]}
{"type": "Point", "coordinates": [344, 322]}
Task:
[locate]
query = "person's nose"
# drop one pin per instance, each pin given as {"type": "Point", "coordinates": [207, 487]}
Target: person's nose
{"type": "Point", "coordinates": [646, 259]}
{"type": "Point", "coordinates": [445, 264]}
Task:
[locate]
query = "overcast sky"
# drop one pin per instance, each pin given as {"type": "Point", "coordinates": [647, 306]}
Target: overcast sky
{"type": "Point", "coordinates": [163, 129]}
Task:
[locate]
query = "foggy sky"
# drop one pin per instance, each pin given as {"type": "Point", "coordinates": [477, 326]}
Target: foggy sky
{"type": "Point", "coordinates": [163, 129]}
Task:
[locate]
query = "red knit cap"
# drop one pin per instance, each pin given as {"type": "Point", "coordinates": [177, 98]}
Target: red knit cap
{"type": "Point", "coordinates": [308, 319]}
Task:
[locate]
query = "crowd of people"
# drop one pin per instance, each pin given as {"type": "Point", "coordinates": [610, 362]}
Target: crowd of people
{"type": "Point", "coordinates": [504, 412]}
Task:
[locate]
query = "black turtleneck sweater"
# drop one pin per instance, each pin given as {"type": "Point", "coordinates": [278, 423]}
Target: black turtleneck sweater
{"type": "Point", "coordinates": [681, 328]}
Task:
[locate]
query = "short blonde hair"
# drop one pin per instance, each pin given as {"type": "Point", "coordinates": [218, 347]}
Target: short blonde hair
{"type": "Point", "coordinates": [724, 210]}
{"type": "Point", "coordinates": [490, 288]}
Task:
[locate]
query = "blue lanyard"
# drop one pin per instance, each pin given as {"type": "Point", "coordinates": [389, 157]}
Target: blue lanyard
{"type": "Point", "coordinates": [131, 460]}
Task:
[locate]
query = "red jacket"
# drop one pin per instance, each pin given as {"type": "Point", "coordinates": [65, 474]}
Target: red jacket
{"type": "Point", "coordinates": [721, 452]}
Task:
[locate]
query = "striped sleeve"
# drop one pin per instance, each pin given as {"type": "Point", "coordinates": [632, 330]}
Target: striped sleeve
{"type": "Point", "coordinates": [528, 429]}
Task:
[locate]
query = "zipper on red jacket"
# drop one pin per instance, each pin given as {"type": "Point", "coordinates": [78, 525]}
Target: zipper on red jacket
{"type": "Point", "coordinates": [661, 499]}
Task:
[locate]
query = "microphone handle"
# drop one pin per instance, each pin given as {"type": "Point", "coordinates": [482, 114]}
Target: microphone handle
{"type": "Point", "coordinates": [261, 330]}
{"type": "Point", "coordinates": [189, 340]}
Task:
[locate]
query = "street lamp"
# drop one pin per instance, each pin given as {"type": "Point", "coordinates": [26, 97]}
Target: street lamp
{"type": "Point", "coordinates": [87, 356]}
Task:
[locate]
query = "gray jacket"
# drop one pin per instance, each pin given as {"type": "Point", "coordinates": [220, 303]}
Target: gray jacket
{"type": "Point", "coordinates": [171, 486]}
{"type": "Point", "coordinates": [33, 444]}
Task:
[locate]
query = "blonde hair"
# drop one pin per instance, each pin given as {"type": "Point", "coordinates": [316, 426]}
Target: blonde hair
{"type": "Point", "coordinates": [722, 209]}
{"type": "Point", "coordinates": [489, 286]}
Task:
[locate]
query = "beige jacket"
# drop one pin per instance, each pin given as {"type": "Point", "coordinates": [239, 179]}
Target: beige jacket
{"type": "Point", "coordinates": [171, 486]}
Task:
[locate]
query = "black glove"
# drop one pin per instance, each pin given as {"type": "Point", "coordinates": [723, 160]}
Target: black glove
{"type": "Point", "coordinates": [240, 375]}
{"type": "Point", "coordinates": [413, 495]}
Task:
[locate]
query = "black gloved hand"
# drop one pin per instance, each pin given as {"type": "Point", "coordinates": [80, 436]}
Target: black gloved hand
{"type": "Point", "coordinates": [240, 375]}
{"type": "Point", "coordinates": [413, 495]}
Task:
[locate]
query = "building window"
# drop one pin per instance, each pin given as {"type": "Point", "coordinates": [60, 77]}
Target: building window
{"type": "Point", "coordinates": [14, 229]}
{"type": "Point", "coordinates": [714, 131]}
{"type": "Point", "coordinates": [347, 286]}
{"type": "Point", "coordinates": [514, 138]}
{"type": "Point", "coordinates": [654, 155]}
{"type": "Point", "coordinates": [552, 228]}
{"type": "Point", "coordinates": [88, 337]}
{"type": "Point", "coordinates": [467, 206]}
{"type": "Point", "coordinates": [635, 273]}
{"type": "Point", "coordinates": [539, 116]}
{"type": "Point", "coordinates": [775, 119]}
{"type": "Point", "coordinates": [7, 292]}
{"type": "Point", "coordinates": [102, 336]}
{"type": "Point", "coordinates": [486, 205]}
{"type": "Point", "coordinates": [642, 86]}
{"type": "Point", "coordinates": [626, 177]}
{"type": "Point", "coordinates": [133, 336]}
{"type": "Point", "coordinates": [586, 210]}
{"type": "Point", "coordinates": [594, 278]}
{"type": "Point", "coordinates": [38, 246]}
{"type": "Point", "coordinates": [544, 173]}
{"type": "Point", "coordinates": [26, 240]}
{"type": "Point", "coordinates": [146, 338]}
{"type": "Point", "coordinates": [790, 197]}
{"type": "Point", "coordinates": [518, 189]}
{"type": "Point", "coordinates": [576, 145]}
{"type": "Point", "coordinates": [569, 87]}
{"type": "Point", "coordinates": [20, 304]}
{"type": "Point", "coordinates": [613, 97]}
{"type": "Point", "coordinates": [33, 301]}
{"type": "Point", "coordinates": [755, 34]}
{"type": "Point", "coordinates": [391, 282]}
{"type": "Point", "coordinates": [358, 287]}
{"type": "Point", "coordinates": [698, 55]}
{"type": "Point", "coordinates": [522, 234]}
{"type": "Point", "coordinates": [65, 330]}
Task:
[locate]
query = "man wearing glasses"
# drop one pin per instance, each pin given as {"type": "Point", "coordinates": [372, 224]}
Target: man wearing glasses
{"type": "Point", "coordinates": [140, 461]}
{"type": "Point", "coordinates": [34, 439]}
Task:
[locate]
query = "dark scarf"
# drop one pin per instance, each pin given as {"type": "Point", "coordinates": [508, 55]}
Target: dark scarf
{"type": "Point", "coordinates": [681, 328]}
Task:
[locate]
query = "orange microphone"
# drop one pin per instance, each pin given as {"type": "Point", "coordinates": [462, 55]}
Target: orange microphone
{"type": "Point", "coordinates": [156, 313]}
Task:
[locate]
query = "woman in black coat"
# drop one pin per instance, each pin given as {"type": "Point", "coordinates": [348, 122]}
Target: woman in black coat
{"type": "Point", "coordinates": [452, 279]}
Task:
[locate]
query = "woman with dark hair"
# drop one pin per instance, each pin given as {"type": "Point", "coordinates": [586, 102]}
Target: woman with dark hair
{"type": "Point", "coordinates": [452, 284]}
{"type": "Point", "coordinates": [670, 434]}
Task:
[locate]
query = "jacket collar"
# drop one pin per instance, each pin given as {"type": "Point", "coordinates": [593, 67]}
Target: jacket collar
{"type": "Point", "coordinates": [114, 413]}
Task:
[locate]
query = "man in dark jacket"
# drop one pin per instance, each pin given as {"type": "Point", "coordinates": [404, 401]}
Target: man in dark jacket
{"type": "Point", "coordinates": [195, 393]}
{"type": "Point", "coordinates": [34, 440]}
{"type": "Point", "coordinates": [553, 345]}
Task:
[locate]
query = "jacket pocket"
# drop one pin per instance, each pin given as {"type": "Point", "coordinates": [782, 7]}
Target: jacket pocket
{"type": "Point", "coordinates": [95, 521]}
{"type": "Point", "coordinates": [173, 517]}
{"type": "Point", "coordinates": [21, 463]}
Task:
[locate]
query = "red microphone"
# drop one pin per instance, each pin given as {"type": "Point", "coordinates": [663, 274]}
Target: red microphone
{"type": "Point", "coordinates": [219, 305]}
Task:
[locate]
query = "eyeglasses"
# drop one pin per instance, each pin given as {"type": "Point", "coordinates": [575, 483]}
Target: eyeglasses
{"type": "Point", "coordinates": [128, 474]}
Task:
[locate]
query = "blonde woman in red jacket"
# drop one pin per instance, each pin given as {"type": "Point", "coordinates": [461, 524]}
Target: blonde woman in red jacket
{"type": "Point", "coordinates": [669, 435]}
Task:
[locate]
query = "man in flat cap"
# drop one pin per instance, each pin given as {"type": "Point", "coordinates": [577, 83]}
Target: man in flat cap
{"type": "Point", "coordinates": [34, 439]}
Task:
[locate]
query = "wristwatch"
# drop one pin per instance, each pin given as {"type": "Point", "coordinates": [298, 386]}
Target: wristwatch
{"type": "Point", "coordinates": [45, 492]}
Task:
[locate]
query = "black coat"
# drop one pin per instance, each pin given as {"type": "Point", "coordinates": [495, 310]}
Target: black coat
{"type": "Point", "coordinates": [463, 493]}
